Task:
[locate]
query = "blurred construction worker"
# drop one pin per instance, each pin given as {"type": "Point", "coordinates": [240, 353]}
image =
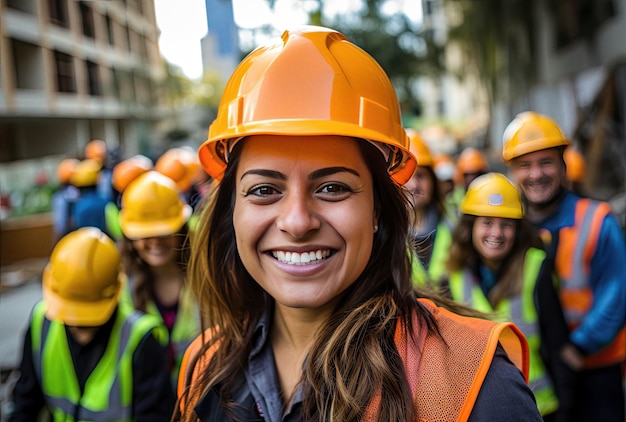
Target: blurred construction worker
{"type": "Point", "coordinates": [123, 173]}
{"type": "Point", "coordinates": [470, 164]}
{"type": "Point", "coordinates": [64, 198]}
{"type": "Point", "coordinates": [584, 240]}
{"type": "Point", "coordinates": [430, 231]}
{"type": "Point", "coordinates": [88, 210]}
{"type": "Point", "coordinates": [155, 251]}
{"type": "Point", "coordinates": [444, 170]}
{"type": "Point", "coordinates": [498, 266]}
{"type": "Point", "coordinates": [85, 358]}
{"type": "Point", "coordinates": [576, 167]}
{"type": "Point", "coordinates": [97, 150]}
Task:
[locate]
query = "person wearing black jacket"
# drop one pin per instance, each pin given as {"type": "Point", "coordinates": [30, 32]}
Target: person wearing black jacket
{"type": "Point", "coordinates": [86, 356]}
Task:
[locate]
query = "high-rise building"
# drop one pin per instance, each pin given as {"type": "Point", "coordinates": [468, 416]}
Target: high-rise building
{"type": "Point", "coordinates": [220, 47]}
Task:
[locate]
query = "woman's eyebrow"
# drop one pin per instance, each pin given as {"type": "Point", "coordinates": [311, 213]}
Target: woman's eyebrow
{"type": "Point", "coordinates": [266, 173]}
{"type": "Point", "coordinates": [327, 171]}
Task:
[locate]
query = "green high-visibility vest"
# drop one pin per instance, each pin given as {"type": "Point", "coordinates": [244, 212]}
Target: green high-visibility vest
{"type": "Point", "coordinates": [108, 391]}
{"type": "Point", "coordinates": [186, 327]}
{"type": "Point", "coordinates": [521, 311]}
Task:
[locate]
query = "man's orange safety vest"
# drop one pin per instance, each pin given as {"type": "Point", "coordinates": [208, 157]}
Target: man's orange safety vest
{"type": "Point", "coordinates": [575, 249]}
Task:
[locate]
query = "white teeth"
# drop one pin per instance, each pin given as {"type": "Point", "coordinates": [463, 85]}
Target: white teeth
{"type": "Point", "coordinates": [304, 258]}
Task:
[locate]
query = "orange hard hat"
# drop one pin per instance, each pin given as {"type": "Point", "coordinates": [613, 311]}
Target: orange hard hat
{"type": "Point", "coordinates": [66, 169]}
{"type": "Point", "coordinates": [96, 150]}
{"type": "Point", "coordinates": [128, 170]}
{"type": "Point", "coordinates": [418, 148]}
{"type": "Point", "coordinates": [310, 81]}
{"type": "Point", "coordinates": [471, 160]}
{"type": "Point", "coordinates": [530, 132]}
{"type": "Point", "coordinates": [575, 164]}
{"type": "Point", "coordinates": [180, 164]}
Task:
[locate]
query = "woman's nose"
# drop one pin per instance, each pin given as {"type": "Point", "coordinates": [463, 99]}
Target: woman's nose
{"type": "Point", "coordinates": [298, 215]}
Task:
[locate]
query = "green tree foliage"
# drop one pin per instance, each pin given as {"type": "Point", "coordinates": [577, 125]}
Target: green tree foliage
{"type": "Point", "coordinates": [496, 38]}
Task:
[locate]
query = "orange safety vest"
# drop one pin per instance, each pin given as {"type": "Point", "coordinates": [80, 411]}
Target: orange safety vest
{"type": "Point", "coordinates": [465, 344]}
{"type": "Point", "coordinates": [575, 249]}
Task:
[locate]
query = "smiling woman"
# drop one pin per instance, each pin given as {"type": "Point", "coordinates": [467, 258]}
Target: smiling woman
{"type": "Point", "coordinates": [300, 260]}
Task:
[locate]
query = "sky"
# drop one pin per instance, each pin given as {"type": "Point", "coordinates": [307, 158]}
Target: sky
{"type": "Point", "coordinates": [183, 23]}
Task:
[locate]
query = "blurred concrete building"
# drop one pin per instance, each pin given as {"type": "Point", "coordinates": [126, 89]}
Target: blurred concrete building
{"type": "Point", "coordinates": [70, 71]}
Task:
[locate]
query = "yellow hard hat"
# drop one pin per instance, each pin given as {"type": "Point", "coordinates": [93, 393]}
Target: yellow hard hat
{"type": "Point", "coordinates": [575, 164]}
{"type": "Point", "coordinates": [310, 81]}
{"type": "Point", "coordinates": [530, 132]}
{"type": "Point", "coordinates": [128, 170]}
{"type": "Point", "coordinates": [418, 148]}
{"type": "Point", "coordinates": [96, 150]}
{"type": "Point", "coordinates": [492, 195]}
{"type": "Point", "coordinates": [66, 169]}
{"type": "Point", "coordinates": [179, 164]}
{"type": "Point", "coordinates": [81, 282]}
{"type": "Point", "coordinates": [86, 173]}
{"type": "Point", "coordinates": [152, 207]}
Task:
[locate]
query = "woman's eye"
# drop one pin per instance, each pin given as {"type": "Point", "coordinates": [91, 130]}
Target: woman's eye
{"type": "Point", "coordinates": [334, 189]}
{"type": "Point", "coordinates": [262, 191]}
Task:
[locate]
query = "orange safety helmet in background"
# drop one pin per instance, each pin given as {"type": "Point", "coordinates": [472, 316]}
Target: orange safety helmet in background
{"type": "Point", "coordinates": [86, 173]}
{"type": "Point", "coordinates": [575, 163]}
{"type": "Point", "coordinates": [152, 207]}
{"type": "Point", "coordinates": [66, 169]}
{"type": "Point", "coordinates": [470, 161]}
{"type": "Point", "coordinates": [96, 150]}
{"type": "Point", "coordinates": [128, 170]}
{"type": "Point", "coordinates": [181, 165]}
{"type": "Point", "coordinates": [81, 282]}
{"type": "Point", "coordinates": [492, 195]}
{"type": "Point", "coordinates": [418, 148]}
{"type": "Point", "coordinates": [339, 90]}
{"type": "Point", "coordinates": [530, 132]}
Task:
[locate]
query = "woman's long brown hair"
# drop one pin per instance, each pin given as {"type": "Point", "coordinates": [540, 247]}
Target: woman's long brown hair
{"type": "Point", "coordinates": [354, 351]}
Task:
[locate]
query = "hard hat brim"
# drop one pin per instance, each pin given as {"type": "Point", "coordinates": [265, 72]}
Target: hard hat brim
{"type": "Point", "coordinates": [142, 230]}
{"type": "Point", "coordinates": [79, 313]}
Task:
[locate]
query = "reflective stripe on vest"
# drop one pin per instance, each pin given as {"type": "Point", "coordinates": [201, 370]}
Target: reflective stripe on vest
{"type": "Point", "coordinates": [437, 264]}
{"type": "Point", "coordinates": [108, 391]}
{"type": "Point", "coordinates": [575, 249]}
{"type": "Point", "coordinates": [521, 311]}
{"type": "Point", "coordinates": [573, 257]}
{"type": "Point", "coordinates": [441, 251]}
{"type": "Point", "coordinates": [186, 327]}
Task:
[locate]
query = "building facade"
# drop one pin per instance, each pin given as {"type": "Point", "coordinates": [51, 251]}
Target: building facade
{"type": "Point", "coordinates": [72, 71]}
